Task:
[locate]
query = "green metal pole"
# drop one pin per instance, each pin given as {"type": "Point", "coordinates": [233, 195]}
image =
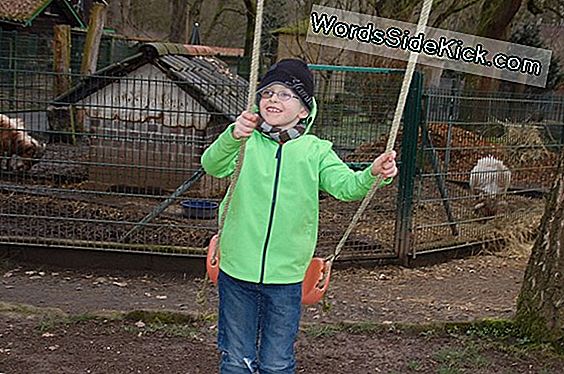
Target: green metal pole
{"type": "Point", "coordinates": [412, 118]}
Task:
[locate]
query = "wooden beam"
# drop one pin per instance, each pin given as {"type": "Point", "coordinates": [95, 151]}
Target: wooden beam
{"type": "Point", "coordinates": [93, 38]}
{"type": "Point", "coordinates": [61, 58]}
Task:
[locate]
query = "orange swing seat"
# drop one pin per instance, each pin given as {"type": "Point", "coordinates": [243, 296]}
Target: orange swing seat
{"type": "Point", "coordinates": [314, 285]}
{"type": "Point", "coordinates": [212, 261]}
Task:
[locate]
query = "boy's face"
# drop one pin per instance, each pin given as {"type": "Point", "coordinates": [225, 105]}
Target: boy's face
{"type": "Point", "coordinates": [278, 112]}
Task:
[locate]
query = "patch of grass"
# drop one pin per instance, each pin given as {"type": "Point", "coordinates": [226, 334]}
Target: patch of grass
{"type": "Point", "coordinates": [168, 322]}
{"type": "Point", "coordinates": [48, 324]}
{"type": "Point", "coordinates": [321, 331]}
{"type": "Point", "coordinates": [366, 327]}
{"type": "Point", "coordinates": [414, 365]}
{"type": "Point", "coordinates": [28, 310]}
{"type": "Point", "coordinates": [484, 329]}
{"type": "Point", "coordinates": [468, 356]}
{"type": "Point", "coordinates": [447, 370]}
{"type": "Point", "coordinates": [53, 322]}
{"type": "Point", "coordinates": [167, 317]}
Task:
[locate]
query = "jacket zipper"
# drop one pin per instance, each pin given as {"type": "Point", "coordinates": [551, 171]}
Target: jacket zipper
{"type": "Point", "coordinates": [272, 206]}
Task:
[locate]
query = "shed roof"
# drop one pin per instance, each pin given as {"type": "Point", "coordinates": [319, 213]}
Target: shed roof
{"type": "Point", "coordinates": [196, 71]}
{"type": "Point", "coordinates": [23, 12]}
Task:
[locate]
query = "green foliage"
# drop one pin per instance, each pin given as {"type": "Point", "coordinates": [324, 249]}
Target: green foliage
{"type": "Point", "coordinates": [321, 331]}
{"type": "Point", "coordinates": [414, 365]}
{"type": "Point", "coordinates": [149, 316]}
{"type": "Point", "coordinates": [454, 359]}
{"type": "Point", "coordinates": [52, 322]}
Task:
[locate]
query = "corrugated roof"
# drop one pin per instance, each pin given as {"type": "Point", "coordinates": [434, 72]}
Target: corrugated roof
{"type": "Point", "coordinates": [205, 78]}
{"type": "Point", "coordinates": [194, 50]}
{"type": "Point", "coordinates": [209, 81]}
{"type": "Point", "coordinates": [24, 11]}
{"type": "Point", "coordinates": [20, 10]}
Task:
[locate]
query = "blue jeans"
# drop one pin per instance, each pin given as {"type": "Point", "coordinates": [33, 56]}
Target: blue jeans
{"type": "Point", "coordinates": [258, 325]}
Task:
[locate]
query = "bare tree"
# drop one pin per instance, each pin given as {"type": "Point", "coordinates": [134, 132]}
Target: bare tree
{"type": "Point", "coordinates": [125, 13]}
{"type": "Point", "coordinates": [178, 10]}
{"type": "Point", "coordinates": [222, 10]}
{"type": "Point", "coordinates": [183, 14]}
{"type": "Point", "coordinates": [250, 13]}
{"type": "Point", "coordinates": [193, 16]}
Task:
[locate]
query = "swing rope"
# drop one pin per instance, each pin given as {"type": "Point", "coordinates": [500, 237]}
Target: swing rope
{"type": "Point", "coordinates": [251, 97]}
{"type": "Point", "coordinates": [423, 18]}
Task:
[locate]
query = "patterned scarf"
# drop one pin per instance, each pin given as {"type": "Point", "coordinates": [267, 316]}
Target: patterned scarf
{"type": "Point", "coordinates": [282, 136]}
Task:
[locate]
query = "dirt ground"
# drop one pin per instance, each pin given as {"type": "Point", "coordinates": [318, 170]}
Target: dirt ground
{"type": "Point", "coordinates": [47, 322]}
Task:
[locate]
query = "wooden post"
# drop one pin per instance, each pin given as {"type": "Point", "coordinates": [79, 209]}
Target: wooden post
{"type": "Point", "coordinates": [93, 38]}
{"type": "Point", "coordinates": [60, 118]}
{"type": "Point", "coordinates": [61, 58]}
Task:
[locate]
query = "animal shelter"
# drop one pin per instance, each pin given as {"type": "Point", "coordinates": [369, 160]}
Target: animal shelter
{"type": "Point", "coordinates": [151, 115]}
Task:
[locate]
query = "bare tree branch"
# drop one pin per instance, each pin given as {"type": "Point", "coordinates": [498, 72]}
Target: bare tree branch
{"type": "Point", "coordinates": [452, 10]}
{"type": "Point", "coordinates": [216, 18]}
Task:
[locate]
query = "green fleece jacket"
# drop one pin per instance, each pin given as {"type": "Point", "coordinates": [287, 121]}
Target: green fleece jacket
{"type": "Point", "coordinates": [270, 232]}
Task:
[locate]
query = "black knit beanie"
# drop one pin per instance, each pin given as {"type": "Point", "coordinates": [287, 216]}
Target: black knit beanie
{"type": "Point", "coordinates": [294, 74]}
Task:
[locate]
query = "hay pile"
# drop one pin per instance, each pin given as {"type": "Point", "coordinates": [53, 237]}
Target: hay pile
{"type": "Point", "coordinates": [521, 148]}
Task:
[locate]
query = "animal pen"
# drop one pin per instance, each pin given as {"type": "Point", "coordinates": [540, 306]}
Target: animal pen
{"type": "Point", "coordinates": [121, 142]}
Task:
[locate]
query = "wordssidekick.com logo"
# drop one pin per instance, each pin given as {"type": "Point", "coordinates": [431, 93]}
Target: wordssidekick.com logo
{"type": "Point", "coordinates": [436, 47]}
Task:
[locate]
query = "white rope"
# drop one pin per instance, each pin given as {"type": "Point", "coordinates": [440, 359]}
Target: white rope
{"type": "Point", "coordinates": [253, 79]}
{"type": "Point", "coordinates": [423, 18]}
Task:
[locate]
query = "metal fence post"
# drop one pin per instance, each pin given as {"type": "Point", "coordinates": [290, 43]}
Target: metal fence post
{"type": "Point", "coordinates": [411, 120]}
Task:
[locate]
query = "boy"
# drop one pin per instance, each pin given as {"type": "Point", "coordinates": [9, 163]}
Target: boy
{"type": "Point", "coordinates": [270, 232]}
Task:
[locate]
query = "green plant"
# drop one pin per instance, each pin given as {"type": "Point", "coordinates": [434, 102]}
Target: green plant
{"type": "Point", "coordinates": [447, 370]}
{"type": "Point", "coordinates": [468, 356]}
{"type": "Point", "coordinates": [319, 331]}
{"type": "Point", "coordinates": [414, 365]}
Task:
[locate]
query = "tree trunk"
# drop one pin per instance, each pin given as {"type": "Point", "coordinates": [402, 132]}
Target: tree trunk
{"type": "Point", "coordinates": [114, 16]}
{"type": "Point", "coordinates": [495, 19]}
{"type": "Point", "coordinates": [93, 39]}
{"type": "Point", "coordinates": [177, 31]}
{"type": "Point", "coordinates": [251, 12]}
{"type": "Point", "coordinates": [539, 306]}
{"type": "Point", "coordinates": [125, 14]}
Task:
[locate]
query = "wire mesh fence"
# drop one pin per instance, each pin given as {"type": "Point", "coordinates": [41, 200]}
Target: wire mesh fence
{"type": "Point", "coordinates": [116, 148]}
{"type": "Point", "coordinates": [470, 143]}
{"type": "Point", "coordinates": [93, 167]}
{"type": "Point", "coordinates": [356, 108]}
{"type": "Point", "coordinates": [34, 52]}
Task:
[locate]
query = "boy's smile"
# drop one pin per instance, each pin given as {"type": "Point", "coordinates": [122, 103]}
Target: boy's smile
{"type": "Point", "coordinates": [280, 113]}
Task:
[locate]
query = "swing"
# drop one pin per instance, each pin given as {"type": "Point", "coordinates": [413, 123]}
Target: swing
{"type": "Point", "coordinates": [318, 273]}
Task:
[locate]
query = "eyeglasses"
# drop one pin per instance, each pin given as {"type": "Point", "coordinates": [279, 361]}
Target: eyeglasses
{"type": "Point", "coordinates": [282, 95]}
